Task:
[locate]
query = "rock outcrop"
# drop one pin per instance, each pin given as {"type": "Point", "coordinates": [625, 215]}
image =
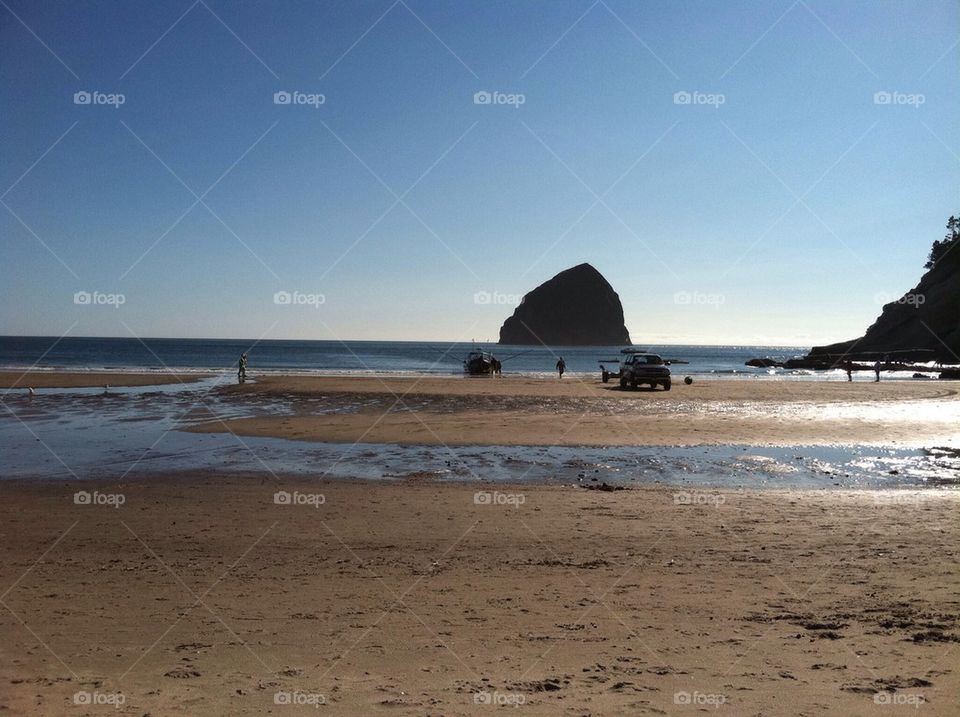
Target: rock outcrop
{"type": "Point", "coordinates": [577, 307]}
{"type": "Point", "coordinates": [923, 325]}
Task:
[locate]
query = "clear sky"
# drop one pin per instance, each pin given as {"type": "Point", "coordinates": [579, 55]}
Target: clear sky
{"type": "Point", "coordinates": [781, 204]}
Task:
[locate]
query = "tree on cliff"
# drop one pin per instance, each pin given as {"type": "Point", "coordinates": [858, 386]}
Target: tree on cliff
{"type": "Point", "coordinates": [941, 247]}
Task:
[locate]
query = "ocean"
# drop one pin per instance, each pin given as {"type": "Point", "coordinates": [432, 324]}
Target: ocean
{"type": "Point", "coordinates": [365, 357]}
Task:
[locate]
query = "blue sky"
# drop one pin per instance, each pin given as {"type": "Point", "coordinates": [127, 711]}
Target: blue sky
{"type": "Point", "coordinates": [783, 204]}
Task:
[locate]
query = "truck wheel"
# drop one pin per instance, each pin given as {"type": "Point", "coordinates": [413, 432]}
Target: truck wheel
{"type": "Point", "coordinates": [666, 386]}
{"type": "Point", "coordinates": [623, 383]}
{"type": "Point", "coordinates": [633, 385]}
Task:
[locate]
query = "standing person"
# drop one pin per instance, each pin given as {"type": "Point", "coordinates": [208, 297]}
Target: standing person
{"type": "Point", "coordinates": [849, 367]}
{"type": "Point", "coordinates": [876, 369]}
{"type": "Point", "coordinates": [561, 366]}
{"type": "Point", "coordinates": [242, 369]}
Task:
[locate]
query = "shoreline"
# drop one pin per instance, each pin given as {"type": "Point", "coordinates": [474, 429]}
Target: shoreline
{"type": "Point", "coordinates": [739, 375]}
{"type": "Point", "coordinates": [513, 411]}
{"type": "Point", "coordinates": [559, 599]}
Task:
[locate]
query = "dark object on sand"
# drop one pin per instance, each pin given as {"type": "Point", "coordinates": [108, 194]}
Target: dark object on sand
{"type": "Point", "coordinates": [688, 380]}
{"type": "Point", "coordinates": [952, 374]}
{"type": "Point", "coordinates": [577, 307]}
{"type": "Point", "coordinates": [605, 487]}
{"type": "Point", "coordinates": [479, 363]}
{"type": "Point", "coordinates": [606, 375]}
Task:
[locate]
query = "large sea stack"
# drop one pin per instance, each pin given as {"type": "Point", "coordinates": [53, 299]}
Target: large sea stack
{"type": "Point", "coordinates": [577, 307]}
{"type": "Point", "coordinates": [923, 325]}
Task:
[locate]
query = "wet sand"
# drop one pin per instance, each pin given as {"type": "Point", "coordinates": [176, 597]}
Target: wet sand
{"type": "Point", "coordinates": [574, 387]}
{"type": "Point", "coordinates": [516, 411]}
{"type": "Point", "coordinates": [59, 379]}
{"type": "Point", "coordinates": [201, 595]}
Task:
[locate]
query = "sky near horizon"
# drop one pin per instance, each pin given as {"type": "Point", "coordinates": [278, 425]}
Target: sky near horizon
{"type": "Point", "coordinates": [740, 172]}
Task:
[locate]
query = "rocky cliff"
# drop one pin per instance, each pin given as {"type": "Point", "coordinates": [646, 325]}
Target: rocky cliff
{"type": "Point", "coordinates": [577, 307]}
{"type": "Point", "coordinates": [924, 324]}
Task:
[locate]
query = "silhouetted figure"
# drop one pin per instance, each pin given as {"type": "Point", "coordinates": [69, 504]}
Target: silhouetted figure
{"type": "Point", "coordinates": [849, 367]}
{"type": "Point", "coordinates": [497, 366]}
{"type": "Point", "coordinates": [604, 374]}
{"type": "Point", "coordinates": [242, 369]}
{"type": "Point", "coordinates": [876, 369]}
{"type": "Point", "coordinates": [561, 366]}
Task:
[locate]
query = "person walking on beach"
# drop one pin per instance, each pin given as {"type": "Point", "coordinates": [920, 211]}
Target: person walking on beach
{"type": "Point", "coordinates": [561, 366]}
{"type": "Point", "coordinates": [849, 367]}
{"type": "Point", "coordinates": [242, 369]}
{"type": "Point", "coordinates": [876, 369]}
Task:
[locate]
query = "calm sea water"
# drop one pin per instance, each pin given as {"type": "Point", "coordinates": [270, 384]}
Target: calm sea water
{"type": "Point", "coordinates": [335, 357]}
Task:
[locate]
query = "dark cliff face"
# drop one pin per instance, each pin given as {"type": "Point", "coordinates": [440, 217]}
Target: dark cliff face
{"type": "Point", "coordinates": [926, 320]}
{"type": "Point", "coordinates": [577, 307]}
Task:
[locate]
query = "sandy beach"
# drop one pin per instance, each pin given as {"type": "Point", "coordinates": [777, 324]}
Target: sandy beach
{"type": "Point", "coordinates": [201, 595]}
{"type": "Point", "coordinates": [224, 591]}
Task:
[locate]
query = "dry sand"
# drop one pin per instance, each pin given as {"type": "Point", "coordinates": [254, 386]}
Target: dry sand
{"type": "Point", "coordinates": [200, 595]}
{"type": "Point", "coordinates": [510, 411]}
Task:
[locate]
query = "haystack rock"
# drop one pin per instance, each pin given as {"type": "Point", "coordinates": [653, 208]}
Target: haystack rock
{"type": "Point", "coordinates": [577, 307]}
